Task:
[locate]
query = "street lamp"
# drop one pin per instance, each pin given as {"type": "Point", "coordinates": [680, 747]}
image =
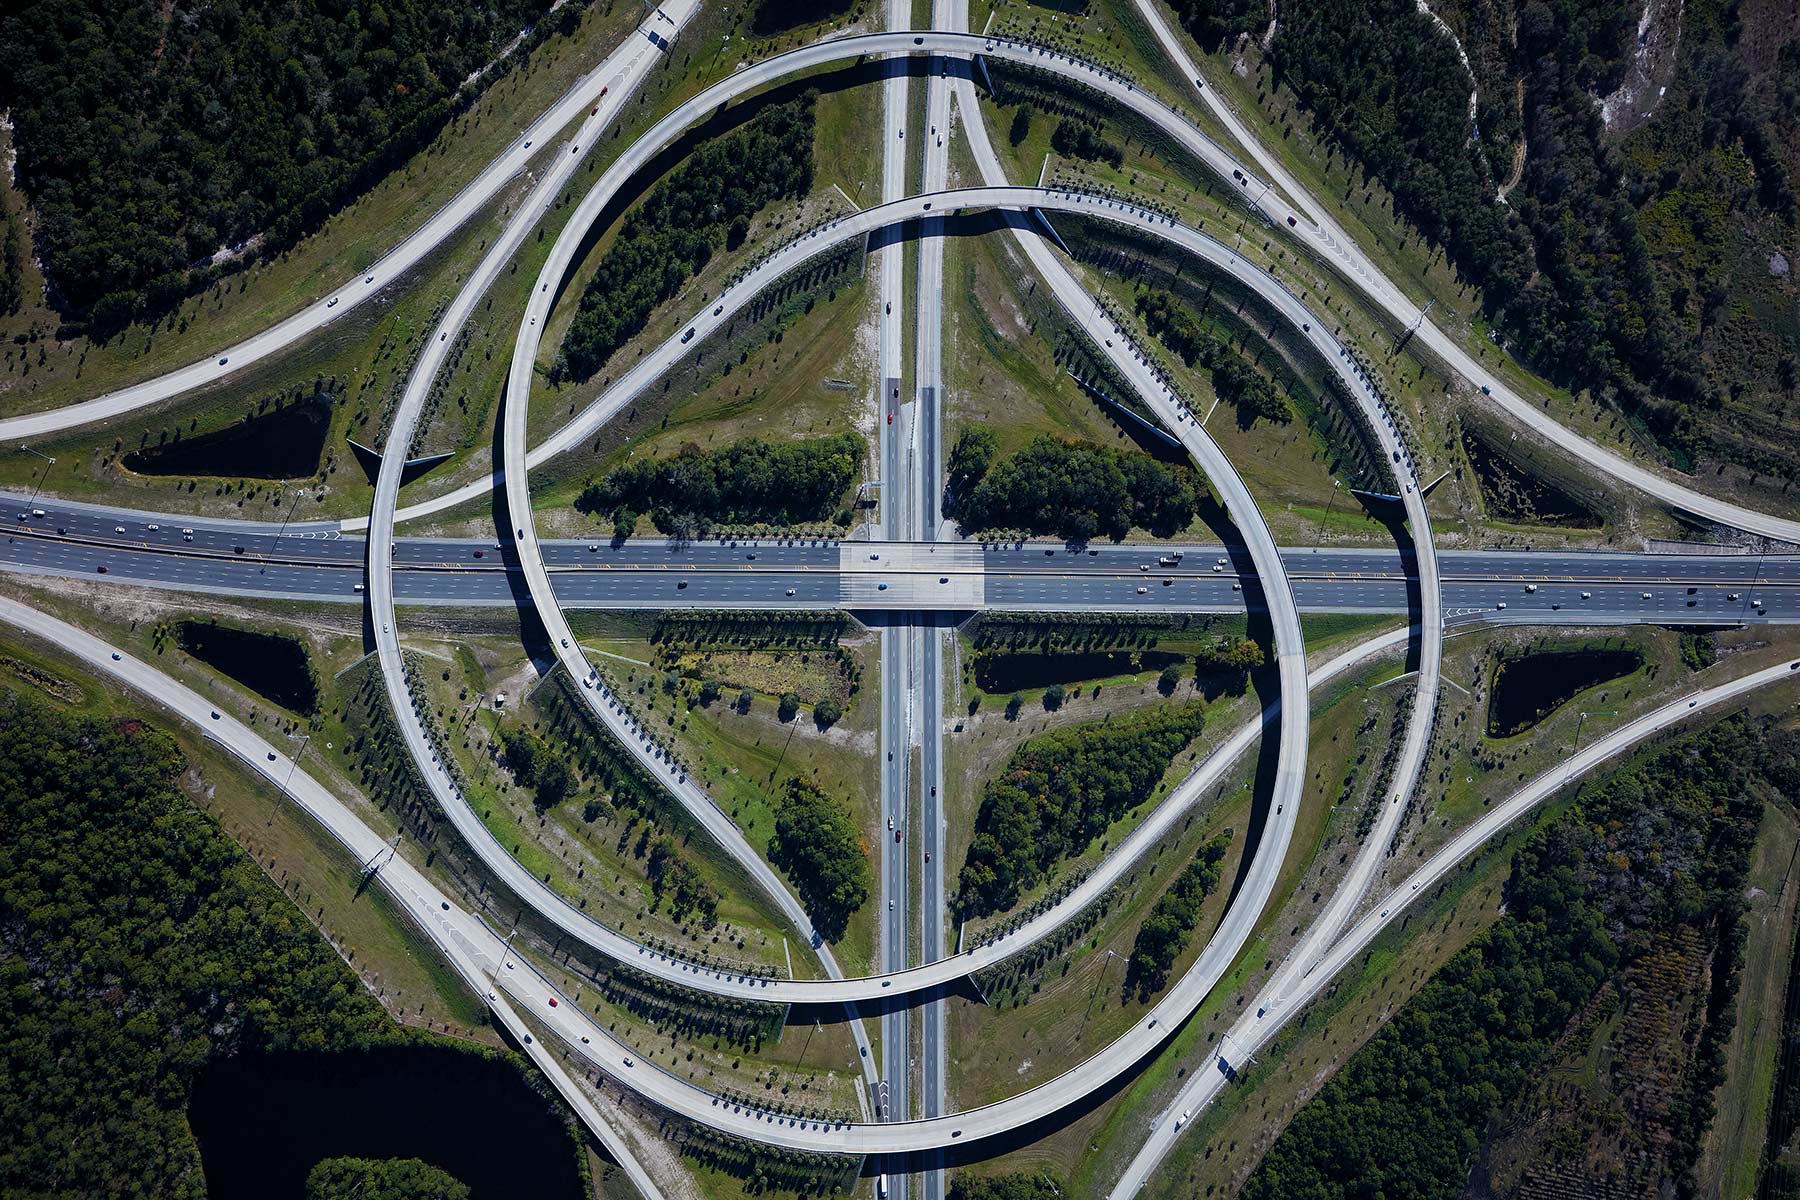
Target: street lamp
{"type": "Point", "coordinates": [42, 475]}
{"type": "Point", "coordinates": [299, 495]}
{"type": "Point", "coordinates": [1578, 724]}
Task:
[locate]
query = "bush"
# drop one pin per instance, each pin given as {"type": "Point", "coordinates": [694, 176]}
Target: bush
{"type": "Point", "coordinates": [1165, 932]}
{"type": "Point", "coordinates": [382, 1179]}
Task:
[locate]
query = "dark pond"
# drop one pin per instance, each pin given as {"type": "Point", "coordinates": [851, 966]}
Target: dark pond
{"type": "Point", "coordinates": [1005, 672]}
{"type": "Point", "coordinates": [1522, 497]}
{"type": "Point", "coordinates": [272, 665]}
{"type": "Point", "coordinates": [1531, 687]}
{"type": "Point", "coordinates": [285, 443]}
{"type": "Point", "coordinates": [264, 1122]}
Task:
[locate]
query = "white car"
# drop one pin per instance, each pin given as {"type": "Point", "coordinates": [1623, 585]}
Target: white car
{"type": "Point", "coordinates": [1502, 604]}
{"type": "Point", "coordinates": [1142, 590]}
{"type": "Point", "coordinates": [1587, 595]}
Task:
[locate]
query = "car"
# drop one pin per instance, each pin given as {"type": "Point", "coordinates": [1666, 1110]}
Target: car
{"type": "Point", "coordinates": [1486, 390]}
{"type": "Point", "coordinates": [1731, 595]}
{"type": "Point", "coordinates": [37, 512]}
{"type": "Point", "coordinates": [359, 587]}
{"type": "Point", "coordinates": [683, 584]}
{"type": "Point", "coordinates": [890, 906]}
{"type": "Point", "coordinates": [928, 856]}
{"type": "Point", "coordinates": [718, 310]}
{"type": "Point", "coordinates": [101, 568]}
{"type": "Point", "coordinates": [1217, 568]}
{"type": "Point", "coordinates": [943, 579]}
{"type": "Point", "coordinates": [874, 556]}
{"type": "Point", "coordinates": [1291, 224]}
{"type": "Point", "coordinates": [629, 1063]}
{"type": "Point", "coordinates": [1168, 583]}
{"type": "Point", "coordinates": [215, 714]}
{"type": "Point", "coordinates": [1531, 587]}
{"type": "Point", "coordinates": [1644, 595]}
{"type": "Point", "coordinates": [1237, 587]}
{"type": "Point", "coordinates": [1755, 603]}
{"type": "Point", "coordinates": [593, 548]}
{"type": "Point", "coordinates": [881, 587]}
{"type": "Point", "coordinates": [790, 591]}
{"type": "Point", "coordinates": [890, 418]}
{"type": "Point", "coordinates": [584, 1040]}
{"type": "Point", "coordinates": [572, 150]}
{"type": "Point", "coordinates": [368, 279]}
{"type": "Point", "coordinates": [1182, 1119]}
{"type": "Point", "coordinates": [331, 303]}
{"type": "Point", "coordinates": [271, 756]}
{"type": "Point", "coordinates": [223, 360]}
{"type": "Point", "coordinates": [1143, 566]}
{"type": "Point", "coordinates": [1587, 595]}
{"type": "Point", "coordinates": [237, 549]}
{"type": "Point", "coordinates": [896, 837]}
{"type": "Point", "coordinates": [154, 528]}
{"type": "Point", "coordinates": [1142, 590]}
{"type": "Point", "coordinates": [1502, 604]}
{"type": "Point", "coordinates": [553, 1002]}
{"type": "Point", "coordinates": [751, 556]}
{"type": "Point", "coordinates": [481, 554]}
{"type": "Point", "coordinates": [603, 89]}
{"type": "Point", "coordinates": [565, 643]}
{"type": "Point", "coordinates": [528, 143]}
{"type": "Point", "coordinates": [116, 656]}
{"type": "Point", "coordinates": [118, 529]}
{"type": "Point", "coordinates": [890, 824]}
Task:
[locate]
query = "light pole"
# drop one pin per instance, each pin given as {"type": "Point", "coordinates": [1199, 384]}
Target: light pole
{"type": "Point", "coordinates": [294, 764]}
{"type": "Point", "coordinates": [42, 475]}
{"type": "Point", "coordinates": [1335, 485]}
{"type": "Point", "coordinates": [299, 495]}
{"type": "Point", "coordinates": [1578, 723]}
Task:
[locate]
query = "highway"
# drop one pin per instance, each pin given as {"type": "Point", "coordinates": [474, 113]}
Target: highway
{"type": "Point", "coordinates": [1288, 994]}
{"type": "Point", "coordinates": [449, 927]}
{"type": "Point", "coordinates": [585, 94]}
{"type": "Point", "coordinates": [647, 573]}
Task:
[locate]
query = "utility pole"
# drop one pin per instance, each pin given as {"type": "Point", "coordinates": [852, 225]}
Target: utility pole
{"type": "Point", "coordinates": [1329, 504]}
{"type": "Point", "coordinates": [1578, 723]}
{"type": "Point", "coordinates": [299, 495]}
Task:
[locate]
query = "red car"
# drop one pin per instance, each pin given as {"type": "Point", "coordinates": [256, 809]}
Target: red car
{"type": "Point", "coordinates": [553, 1002]}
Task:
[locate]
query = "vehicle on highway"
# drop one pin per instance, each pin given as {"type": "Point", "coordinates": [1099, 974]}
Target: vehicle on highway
{"type": "Point", "coordinates": [684, 583]}
{"type": "Point", "coordinates": [1531, 587]}
{"type": "Point", "coordinates": [881, 587]}
{"type": "Point", "coordinates": [1587, 595]}
{"type": "Point", "coordinates": [116, 656]}
{"type": "Point", "coordinates": [1502, 604]}
{"type": "Point", "coordinates": [1141, 591]}
{"type": "Point", "coordinates": [101, 568]}
{"type": "Point", "coordinates": [118, 529]}
{"type": "Point", "coordinates": [1645, 595]}
{"type": "Point", "coordinates": [223, 361]}
{"type": "Point", "coordinates": [790, 591]}
{"type": "Point", "coordinates": [1169, 560]}
{"type": "Point", "coordinates": [331, 303]}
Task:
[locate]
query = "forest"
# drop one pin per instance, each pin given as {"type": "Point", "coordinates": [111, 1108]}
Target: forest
{"type": "Point", "coordinates": [1172, 922]}
{"type": "Point", "coordinates": [139, 944]}
{"type": "Point", "coordinates": [1070, 489]}
{"type": "Point", "coordinates": [1058, 792]}
{"type": "Point", "coordinates": [819, 846]}
{"type": "Point", "coordinates": [1629, 261]}
{"type": "Point", "coordinates": [156, 141]}
{"type": "Point", "coordinates": [1654, 857]}
{"type": "Point", "coordinates": [705, 203]}
{"type": "Point", "coordinates": [749, 482]}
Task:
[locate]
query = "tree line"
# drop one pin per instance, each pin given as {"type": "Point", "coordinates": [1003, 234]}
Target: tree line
{"type": "Point", "coordinates": [666, 240]}
{"type": "Point", "coordinates": [1060, 791]}
{"type": "Point", "coordinates": [749, 482]}
{"type": "Point", "coordinates": [1171, 923]}
{"type": "Point", "coordinates": [1661, 849]}
{"type": "Point", "coordinates": [1071, 489]}
{"type": "Point", "coordinates": [1234, 379]}
{"type": "Point", "coordinates": [151, 138]}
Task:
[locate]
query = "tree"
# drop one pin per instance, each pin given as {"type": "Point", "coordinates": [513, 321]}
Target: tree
{"type": "Point", "coordinates": [818, 845]}
{"type": "Point", "coordinates": [1021, 125]}
{"type": "Point", "coordinates": [1054, 695]}
{"type": "Point", "coordinates": [747, 482]}
{"type": "Point", "coordinates": [745, 699]}
{"type": "Point", "coordinates": [1014, 703]}
{"type": "Point", "coordinates": [1169, 680]}
{"type": "Point", "coordinates": [521, 755]}
{"type": "Point", "coordinates": [827, 713]}
{"type": "Point", "coordinates": [553, 783]}
{"type": "Point", "coordinates": [789, 705]}
{"type": "Point", "coordinates": [709, 692]}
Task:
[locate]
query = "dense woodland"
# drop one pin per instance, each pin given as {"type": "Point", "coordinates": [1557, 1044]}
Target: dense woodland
{"type": "Point", "coordinates": [1632, 261]}
{"type": "Point", "coordinates": [1071, 489]}
{"type": "Point", "coordinates": [153, 136]}
{"type": "Point", "coordinates": [136, 944]}
{"type": "Point", "coordinates": [1058, 792]}
{"type": "Point", "coordinates": [705, 203]}
{"type": "Point", "coordinates": [1652, 859]}
{"type": "Point", "coordinates": [749, 482]}
{"type": "Point", "coordinates": [819, 846]}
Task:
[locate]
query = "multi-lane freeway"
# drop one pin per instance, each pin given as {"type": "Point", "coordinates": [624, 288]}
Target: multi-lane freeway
{"type": "Point", "coordinates": [320, 564]}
